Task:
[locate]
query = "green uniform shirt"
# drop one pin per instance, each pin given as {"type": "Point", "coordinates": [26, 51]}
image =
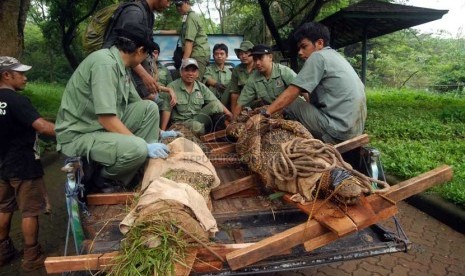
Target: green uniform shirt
{"type": "Point", "coordinates": [336, 90]}
{"type": "Point", "coordinates": [192, 30]}
{"type": "Point", "coordinates": [239, 77]}
{"type": "Point", "coordinates": [164, 75]}
{"type": "Point", "coordinates": [258, 87]}
{"type": "Point", "coordinates": [100, 85]}
{"type": "Point", "coordinates": [214, 72]}
{"type": "Point", "coordinates": [188, 104]}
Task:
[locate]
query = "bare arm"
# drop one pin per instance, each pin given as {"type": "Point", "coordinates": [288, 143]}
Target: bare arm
{"type": "Point", "coordinates": [149, 82]}
{"type": "Point", "coordinates": [112, 123]}
{"type": "Point", "coordinates": [166, 32]}
{"type": "Point", "coordinates": [165, 119]}
{"type": "Point", "coordinates": [236, 110]}
{"type": "Point", "coordinates": [44, 127]}
{"type": "Point", "coordinates": [234, 98]}
{"type": "Point", "coordinates": [188, 46]}
{"type": "Point", "coordinates": [170, 91]}
{"type": "Point", "coordinates": [286, 98]}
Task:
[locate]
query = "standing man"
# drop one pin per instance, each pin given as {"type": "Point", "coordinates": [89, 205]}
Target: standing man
{"type": "Point", "coordinates": [241, 73]}
{"type": "Point", "coordinates": [193, 38]}
{"type": "Point", "coordinates": [103, 118]}
{"type": "Point", "coordinates": [21, 183]}
{"type": "Point", "coordinates": [266, 83]}
{"type": "Point", "coordinates": [337, 108]}
{"type": "Point", "coordinates": [196, 105]}
{"type": "Point", "coordinates": [141, 13]}
{"type": "Point", "coordinates": [218, 76]}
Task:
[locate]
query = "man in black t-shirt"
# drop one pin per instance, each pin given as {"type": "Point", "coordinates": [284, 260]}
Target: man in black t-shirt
{"type": "Point", "coordinates": [21, 184]}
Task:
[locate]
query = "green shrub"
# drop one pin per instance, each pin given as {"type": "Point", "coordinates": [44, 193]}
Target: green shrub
{"type": "Point", "coordinates": [417, 131]}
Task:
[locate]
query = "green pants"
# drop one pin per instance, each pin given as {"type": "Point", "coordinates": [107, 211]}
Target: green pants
{"type": "Point", "coordinates": [202, 122]}
{"type": "Point", "coordinates": [121, 155]}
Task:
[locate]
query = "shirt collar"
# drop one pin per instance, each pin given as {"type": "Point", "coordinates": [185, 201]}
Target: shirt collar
{"type": "Point", "coordinates": [116, 54]}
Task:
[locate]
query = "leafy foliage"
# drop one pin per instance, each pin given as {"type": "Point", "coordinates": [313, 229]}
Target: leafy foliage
{"type": "Point", "coordinates": [418, 131]}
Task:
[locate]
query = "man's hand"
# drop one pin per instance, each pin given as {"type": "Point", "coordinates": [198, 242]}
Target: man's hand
{"type": "Point", "coordinates": [150, 84]}
{"type": "Point", "coordinates": [220, 87]}
{"type": "Point", "coordinates": [253, 121]}
{"type": "Point", "coordinates": [229, 116]}
{"type": "Point", "coordinates": [173, 99]}
{"type": "Point", "coordinates": [169, 133]}
{"type": "Point", "coordinates": [158, 150]}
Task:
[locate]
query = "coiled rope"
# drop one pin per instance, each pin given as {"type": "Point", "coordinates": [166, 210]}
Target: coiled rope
{"type": "Point", "coordinates": [304, 157]}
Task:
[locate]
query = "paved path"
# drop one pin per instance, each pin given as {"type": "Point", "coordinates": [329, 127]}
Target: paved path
{"type": "Point", "coordinates": [437, 249]}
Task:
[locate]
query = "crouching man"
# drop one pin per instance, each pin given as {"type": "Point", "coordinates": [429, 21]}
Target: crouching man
{"type": "Point", "coordinates": [102, 117]}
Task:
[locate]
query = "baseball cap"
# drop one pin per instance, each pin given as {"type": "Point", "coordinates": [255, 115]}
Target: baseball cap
{"type": "Point", "coordinates": [138, 33]}
{"type": "Point", "coordinates": [245, 46]}
{"type": "Point", "coordinates": [10, 63]}
{"type": "Point", "coordinates": [189, 61]}
{"type": "Point", "coordinates": [179, 2]}
{"type": "Point", "coordinates": [261, 49]}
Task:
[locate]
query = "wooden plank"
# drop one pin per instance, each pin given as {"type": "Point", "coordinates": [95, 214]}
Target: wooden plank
{"type": "Point", "coordinates": [329, 215]}
{"type": "Point", "coordinates": [230, 148]}
{"type": "Point", "coordinates": [353, 143]}
{"type": "Point", "coordinates": [185, 268]}
{"type": "Point", "coordinates": [221, 161]}
{"type": "Point", "coordinates": [275, 244]}
{"type": "Point", "coordinates": [79, 263]}
{"type": "Point", "coordinates": [205, 261]}
{"type": "Point", "coordinates": [312, 229]}
{"type": "Point", "coordinates": [417, 184]}
{"type": "Point", "coordinates": [110, 199]}
{"type": "Point", "coordinates": [330, 237]}
{"type": "Point", "coordinates": [233, 187]}
{"type": "Point", "coordinates": [361, 214]}
{"type": "Point", "coordinates": [212, 136]}
{"type": "Point", "coordinates": [213, 145]}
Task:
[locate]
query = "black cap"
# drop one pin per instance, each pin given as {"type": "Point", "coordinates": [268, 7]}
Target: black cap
{"type": "Point", "coordinates": [139, 34]}
{"type": "Point", "coordinates": [157, 47]}
{"type": "Point", "coordinates": [261, 49]}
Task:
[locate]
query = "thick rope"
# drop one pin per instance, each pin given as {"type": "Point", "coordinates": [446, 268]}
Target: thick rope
{"type": "Point", "coordinates": [299, 158]}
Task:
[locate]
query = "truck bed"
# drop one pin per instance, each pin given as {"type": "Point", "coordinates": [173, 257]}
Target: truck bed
{"type": "Point", "coordinates": [249, 217]}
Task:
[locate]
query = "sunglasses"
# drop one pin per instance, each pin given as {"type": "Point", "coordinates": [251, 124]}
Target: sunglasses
{"type": "Point", "coordinates": [178, 4]}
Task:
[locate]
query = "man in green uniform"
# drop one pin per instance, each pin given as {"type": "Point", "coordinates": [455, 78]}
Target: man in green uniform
{"type": "Point", "coordinates": [218, 76]}
{"type": "Point", "coordinates": [241, 73]}
{"type": "Point", "coordinates": [196, 104]}
{"type": "Point", "coordinates": [103, 118]}
{"type": "Point", "coordinates": [193, 38]}
{"type": "Point", "coordinates": [266, 83]}
{"type": "Point", "coordinates": [163, 77]}
{"type": "Point", "coordinates": [337, 108]}
{"type": "Point", "coordinates": [162, 74]}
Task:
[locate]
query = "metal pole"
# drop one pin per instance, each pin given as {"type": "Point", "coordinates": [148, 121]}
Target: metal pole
{"type": "Point", "coordinates": [364, 54]}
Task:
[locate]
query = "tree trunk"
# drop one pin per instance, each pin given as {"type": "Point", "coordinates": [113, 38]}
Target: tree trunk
{"type": "Point", "coordinates": [12, 20]}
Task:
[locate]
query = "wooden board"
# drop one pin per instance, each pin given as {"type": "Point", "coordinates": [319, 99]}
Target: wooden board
{"type": "Point", "coordinates": [313, 229]}
{"type": "Point", "coordinates": [213, 136]}
{"type": "Point", "coordinates": [110, 199]}
{"type": "Point", "coordinates": [233, 187]}
{"type": "Point", "coordinates": [353, 143]}
{"type": "Point", "coordinates": [330, 216]}
{"type": "Point", "coordinates": [205, 261]}
{"type": "Point", "coordinates": [185, 268]}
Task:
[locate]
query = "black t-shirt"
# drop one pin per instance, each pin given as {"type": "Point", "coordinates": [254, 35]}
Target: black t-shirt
{"type": "Point", "coordinates": [19, 156]}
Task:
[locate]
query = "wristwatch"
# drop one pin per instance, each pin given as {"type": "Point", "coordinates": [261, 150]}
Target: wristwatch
{"type": "Point", "coordinates": [264, 112]}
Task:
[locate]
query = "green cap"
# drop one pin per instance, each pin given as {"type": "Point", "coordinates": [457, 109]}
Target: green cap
{"type": "Point", "coordinates": [245, 46]}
